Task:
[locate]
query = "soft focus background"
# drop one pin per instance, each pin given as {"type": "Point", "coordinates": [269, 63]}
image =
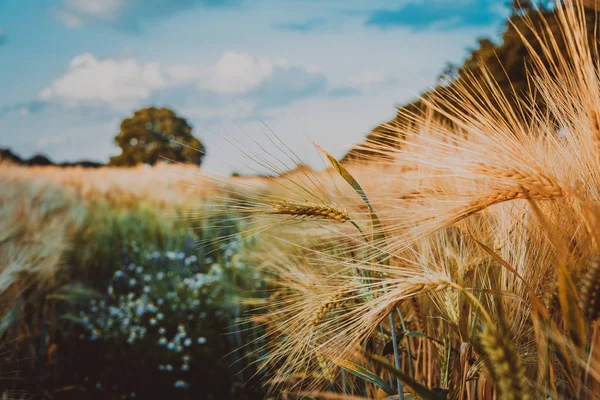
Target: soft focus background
{"type": "Point", "coordinates": [116, 279]}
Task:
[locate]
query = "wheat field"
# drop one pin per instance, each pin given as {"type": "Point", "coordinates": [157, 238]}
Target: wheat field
{"type": "Point", "coordinates": [461, 261]}
{"type": "Point", "coordinates": [68, 235]}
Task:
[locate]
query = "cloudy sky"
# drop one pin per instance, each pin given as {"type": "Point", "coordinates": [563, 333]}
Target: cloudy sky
{"type": "Point", "coordinates": [322, 70]}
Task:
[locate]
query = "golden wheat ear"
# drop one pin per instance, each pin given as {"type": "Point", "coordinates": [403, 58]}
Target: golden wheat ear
{"type": "Point", "coordinates": [504, 364]}
{"type": "Point", "coordinates": [590, 292]}
{"type": "Point", "coordinates": [310, 210]}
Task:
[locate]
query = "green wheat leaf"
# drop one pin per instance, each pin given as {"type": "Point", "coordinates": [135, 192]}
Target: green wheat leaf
{"type": "Point", "coordinates": [365, 374]}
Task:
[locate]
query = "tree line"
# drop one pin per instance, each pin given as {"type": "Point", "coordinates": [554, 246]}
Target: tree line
{"type": "Point", "coordinates": [150, 135]}
{"type": "Point", "coordinates": [506, 62]}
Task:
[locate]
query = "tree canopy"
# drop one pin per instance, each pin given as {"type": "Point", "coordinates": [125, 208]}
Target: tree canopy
{"type": "Point", "coordinates": [156, 134]}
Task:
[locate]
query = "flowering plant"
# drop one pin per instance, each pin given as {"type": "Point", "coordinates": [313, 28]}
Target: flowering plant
{"type": "Point", "coordinates": [164, 316]}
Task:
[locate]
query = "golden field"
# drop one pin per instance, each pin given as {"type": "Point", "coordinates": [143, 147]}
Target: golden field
{"type": "Point", "coordinates": [461, 262]}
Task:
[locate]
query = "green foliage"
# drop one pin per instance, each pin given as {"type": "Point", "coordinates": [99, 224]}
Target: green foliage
{"type": "Point", "coordinates": [148, 307]}
{"type": "Point", "coordinates": [158, 329]}
{"type": "Point", "coordinates": [109, 233]}
{"type": "Point", "coordinates": [420, 390]}
{"type": "Point", "coordinates": [154, 134]}
{"type": "Point", "coordinates": [366, 375]}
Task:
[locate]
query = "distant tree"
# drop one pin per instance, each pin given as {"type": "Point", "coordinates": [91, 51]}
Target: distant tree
{"type": "Point", "coordinates": [39, 160]}
{"type": "Point", "coordinates": [6, 155]}
{"type": "Point", "coordinates": [154, 134]}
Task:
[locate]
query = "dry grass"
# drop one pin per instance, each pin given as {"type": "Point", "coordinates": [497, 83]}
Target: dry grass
{"type": "Point", "coordinates": [168, 186]}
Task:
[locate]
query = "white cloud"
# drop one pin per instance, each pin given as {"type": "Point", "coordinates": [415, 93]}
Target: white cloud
{"type": "Point", "coordinates": [229, 110]}
{"type": "Point", "coordinates": [124, 84]}
{"type": "Point", "coordinates": [74, 13]}
{"type": "Point", "coordinates": [237, 73]}
{"type": "Point", "coordinates": [125, 14]}
{"type": "Point", "coordinates": [119, 83]}
{"type": "Point", "coordinates": [234, 73]}
{"type": "Point", "coordinates": [96, 8]}
{"type": "Point", "coordinates": [68, 19]}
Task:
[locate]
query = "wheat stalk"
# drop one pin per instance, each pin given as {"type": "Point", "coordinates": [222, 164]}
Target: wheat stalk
{"type": "Point", "coordinates": [504, 363]}
{"type": "Point", "coordinates": [418, 314]}
{"type": "Point", "coordinates": [332, 303]}
{"type": "Point", "coordinates": [475, 370]}
{"type": "Point", "coordinates": [446, 362]}
{"type": "Point", "coordinates": [310, 210]}
{"type": "Point", "coordinates": [590, 293]}
{"type": "Point", "coordinates": [535, 185]}
{"type": "Point", "coordinates": [326, 368]}
{"type": "Point", "coordinates": [595, 125]}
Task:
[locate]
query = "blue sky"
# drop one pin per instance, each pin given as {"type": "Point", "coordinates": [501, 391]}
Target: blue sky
{"type": "Point", "coordinates": [322, 70]}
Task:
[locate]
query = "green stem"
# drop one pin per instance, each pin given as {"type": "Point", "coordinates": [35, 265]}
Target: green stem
{"type": "Point", "coordinates": [408, 351]}
{"type": "Point", "coordinates": [383, 340]}
{"type": "Point", "coordinates": [396, 355]}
